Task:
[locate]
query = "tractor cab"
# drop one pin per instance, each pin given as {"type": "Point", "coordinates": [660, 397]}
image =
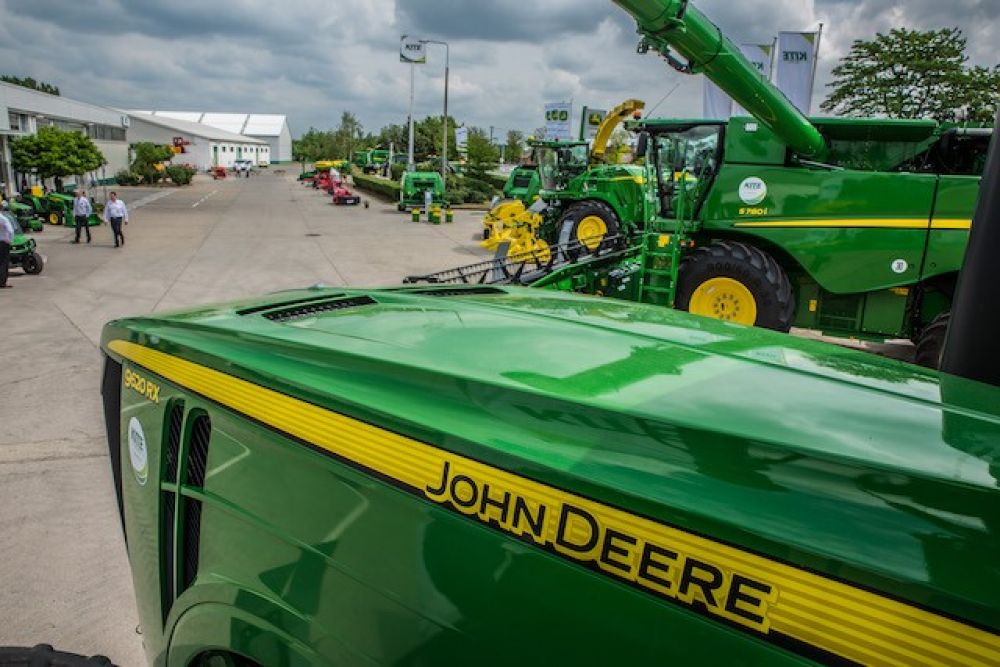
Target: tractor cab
{"type": "Point", "coordinates": [559, 162]}
{"type": "Point", "coordinates": [686, 156]}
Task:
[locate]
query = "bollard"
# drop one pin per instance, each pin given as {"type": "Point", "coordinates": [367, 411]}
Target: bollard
{"type": "Point", "coordinates": [415, 215]}
{"type": "Point", "coordinates": [435, 215]}
{"type": "Point", "coordinates": [449, 215]}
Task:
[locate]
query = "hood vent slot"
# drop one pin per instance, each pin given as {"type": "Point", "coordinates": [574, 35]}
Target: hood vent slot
{"type": "Point", "coordinates": [317, 308]}
{"type": "Point", "coordinates": [472, 291]}
{"type": "Point", "coordinates": [284, 304]}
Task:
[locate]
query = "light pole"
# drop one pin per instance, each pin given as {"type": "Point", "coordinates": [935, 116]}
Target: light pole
{"type": "Point", "coordinates": [444, 119]}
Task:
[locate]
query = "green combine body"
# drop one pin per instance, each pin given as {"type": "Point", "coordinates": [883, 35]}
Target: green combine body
{"type": "Point", "coordinates": [855, 227]}
{"type": "Point", "coordinates": [343, 477]}
{"type": "Point", "coordinates": [414, 186]}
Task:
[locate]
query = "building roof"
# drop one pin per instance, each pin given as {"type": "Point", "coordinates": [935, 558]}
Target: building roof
{"type": "Point", "coordinates": [30, 101]}
{"type": "Point", "coordinates": [193, 128]}
{"type": "Point", "coordinates": [251, 124]}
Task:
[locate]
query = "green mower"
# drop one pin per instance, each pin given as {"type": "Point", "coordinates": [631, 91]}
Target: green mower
{"type": "Point", "coordinates": [22, 249]}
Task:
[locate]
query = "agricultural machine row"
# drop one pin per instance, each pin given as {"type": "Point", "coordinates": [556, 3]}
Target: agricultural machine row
{"type": "Point", "coordinates": [327, 177]}
{"type": "Point", "coordinates": [856, 227]}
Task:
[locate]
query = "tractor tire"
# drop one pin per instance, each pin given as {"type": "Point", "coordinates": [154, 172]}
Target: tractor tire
{"type": "Point", "coordinates": [33, 263]}
{"type": "Point", "coordinates": [55, 218]}
{"type": "Point", "coordinates": [589, 226]}
{"type": "Point", "coordinates": [736, 282]}
{"type": "Point", "coordinates": [930, 342]}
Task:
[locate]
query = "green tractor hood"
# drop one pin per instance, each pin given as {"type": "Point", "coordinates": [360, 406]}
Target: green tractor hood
{"type": "Point", "coordinates": [804, 492]}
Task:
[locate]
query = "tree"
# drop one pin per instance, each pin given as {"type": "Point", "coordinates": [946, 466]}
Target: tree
{"type": "Point", "coordinates": [55, 153]}
{"type": "Point", "coordinates": [28, 82]}
{"type": "Point", "coordinates": [913, 74]}
{"type": "Point", "coordinates": [515, 146]}
{"type": "Point", "coordinates": [483, 155]}
{"type": "Point", "coordinates": [149, 159]}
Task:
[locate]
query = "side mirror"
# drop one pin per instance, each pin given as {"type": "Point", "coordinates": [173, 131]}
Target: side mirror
{"type": "Point", "coordinates": [642, 145]}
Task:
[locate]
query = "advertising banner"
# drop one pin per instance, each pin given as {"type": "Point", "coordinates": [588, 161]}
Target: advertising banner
{"type": "Point", "coordinates": [761, 56]}
{"type": "Point", "coordinates": [590, 121]}
{"type": "Point", "coordinates": [412, 50]}
{"type": "Point", "coordinates": [462, 139]}
{"type": "Point", "coordinates": [557, 121]}
{"type": "Point", "coordinates": [796, 66]}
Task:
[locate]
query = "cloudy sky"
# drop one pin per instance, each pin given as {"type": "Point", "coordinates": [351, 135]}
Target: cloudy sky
{"type": "Point", "coordinates": [313, 59]}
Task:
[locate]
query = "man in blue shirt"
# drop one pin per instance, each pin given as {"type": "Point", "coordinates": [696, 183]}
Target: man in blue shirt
{"type": "Point", "coordinates": [81, 214]}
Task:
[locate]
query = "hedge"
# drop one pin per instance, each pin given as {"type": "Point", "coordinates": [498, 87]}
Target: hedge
{"type": "Point", "coordinates": [377, 186]}
{"type": "Point", "coordinates": [496, 180]}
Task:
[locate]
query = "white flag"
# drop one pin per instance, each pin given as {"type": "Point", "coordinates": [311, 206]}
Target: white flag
{"type": "Point", "coordinates": [760, 56]}
{"type": "Point", "coordinates": [796, 67]}
{"type": "Point", "coordinates": [716, 104]}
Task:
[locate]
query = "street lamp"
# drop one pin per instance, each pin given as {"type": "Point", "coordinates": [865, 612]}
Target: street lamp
{"type": "Point", "coordinates": [444, 119]}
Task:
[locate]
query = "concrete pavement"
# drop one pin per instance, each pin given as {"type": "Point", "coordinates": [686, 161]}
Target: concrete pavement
{"type": "Point", "coordinates": [64, 577]}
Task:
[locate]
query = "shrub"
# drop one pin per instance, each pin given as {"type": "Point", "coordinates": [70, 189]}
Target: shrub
{"type": "Point", "coordinates": [126, 177]}
{"type": "Point", "coordinates": [377, 186]}
{"type": "Point", "coordinates": [397, 171]}
{"type": "Point", "coordinates": [180, 174]}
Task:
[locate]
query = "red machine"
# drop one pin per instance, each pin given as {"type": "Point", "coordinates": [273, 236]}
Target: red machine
{"type": "Point", "coordinates": [218, 172]}
{"type": "Point", "coordinates": [342, 195]}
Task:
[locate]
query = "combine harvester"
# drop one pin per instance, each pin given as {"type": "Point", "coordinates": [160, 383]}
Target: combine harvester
{"type": "Point", "coordinates": [443, 475]}
{"type": "Point", "coordinates": [854, 227]}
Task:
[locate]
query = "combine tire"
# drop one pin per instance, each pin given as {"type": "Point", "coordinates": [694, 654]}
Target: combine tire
{"type": "Point", "coordinates": [588, 225]}
{"type": "Point", "coordinates": [736, 282]}
{"type": "Point", "coordinates": [930, 343]}
{"type": "Point", "coordinates": [33, 263]}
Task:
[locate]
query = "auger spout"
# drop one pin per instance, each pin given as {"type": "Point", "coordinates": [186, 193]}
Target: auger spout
{"type": "Point", "coordinates": [674, 26]}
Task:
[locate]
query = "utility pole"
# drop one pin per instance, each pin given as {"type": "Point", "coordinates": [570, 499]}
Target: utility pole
{"type": "Point", "coordinates": [444, 118]}
{"type": "Point", "coordinates": [410, 165]}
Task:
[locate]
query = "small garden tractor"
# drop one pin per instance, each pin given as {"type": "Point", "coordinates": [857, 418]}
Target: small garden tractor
{"type": "Point", "coordinates": [60, 211]}
{"type": "Point", "coordinates": [22, 249]}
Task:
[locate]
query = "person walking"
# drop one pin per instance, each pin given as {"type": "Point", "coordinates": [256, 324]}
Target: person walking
{"type": "Point", "coordinates": [81, 214]}
{"type": "Point", "coordinates": [6, 238]}
{"type": "Point", "coordinates": [115, 214]}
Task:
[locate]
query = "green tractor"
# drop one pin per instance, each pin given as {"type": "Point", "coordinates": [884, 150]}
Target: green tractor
{"type": "Point", "coordinates": [26, 216]}
{"type": "Point", "coordinates": [414, 186]}
{"type": "Point", "coordinates": [59, 210]}
{"type": "Point", "coordinates": [370, 161]}
{"type": "Point", "coordinates": [22, 248]}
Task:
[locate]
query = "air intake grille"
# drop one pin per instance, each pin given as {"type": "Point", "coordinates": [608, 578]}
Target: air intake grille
{"type": "Point", "coordinates": [197, 464]}
{"type": "Point", "coordinates": [192, 540]}
{"type": "Point", "coordinates": [167, 534]}
{"type": "Point", "coordinates": [111, 391]}
{"type": "Point", "coordinates": [285, 304]}
{"type": "Point", "coordinates": [174, 425]}
{"type": "Point", "coordinates": [317, 307]}
{"type": "Point", "coordinates": [201, 432]}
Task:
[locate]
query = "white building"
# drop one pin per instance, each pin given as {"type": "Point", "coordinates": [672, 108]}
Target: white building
{"type": "Point", "coordinates": [272, 128]}
{"type": "Point", "coordinates": [23, 111]}
{"type": "Point", "coordinates": [202, 145]}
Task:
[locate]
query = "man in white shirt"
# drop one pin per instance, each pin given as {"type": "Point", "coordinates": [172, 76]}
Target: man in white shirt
{"type": "Point", "coordinates": [81, 214]}
{"type": "Point", "coordinates": [6, 238]}
{"type": "Point", "coordinates": [115, 213]}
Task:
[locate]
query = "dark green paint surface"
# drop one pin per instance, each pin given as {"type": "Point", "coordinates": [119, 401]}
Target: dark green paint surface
{"type": "Point", "coordinates": [865, 469]}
